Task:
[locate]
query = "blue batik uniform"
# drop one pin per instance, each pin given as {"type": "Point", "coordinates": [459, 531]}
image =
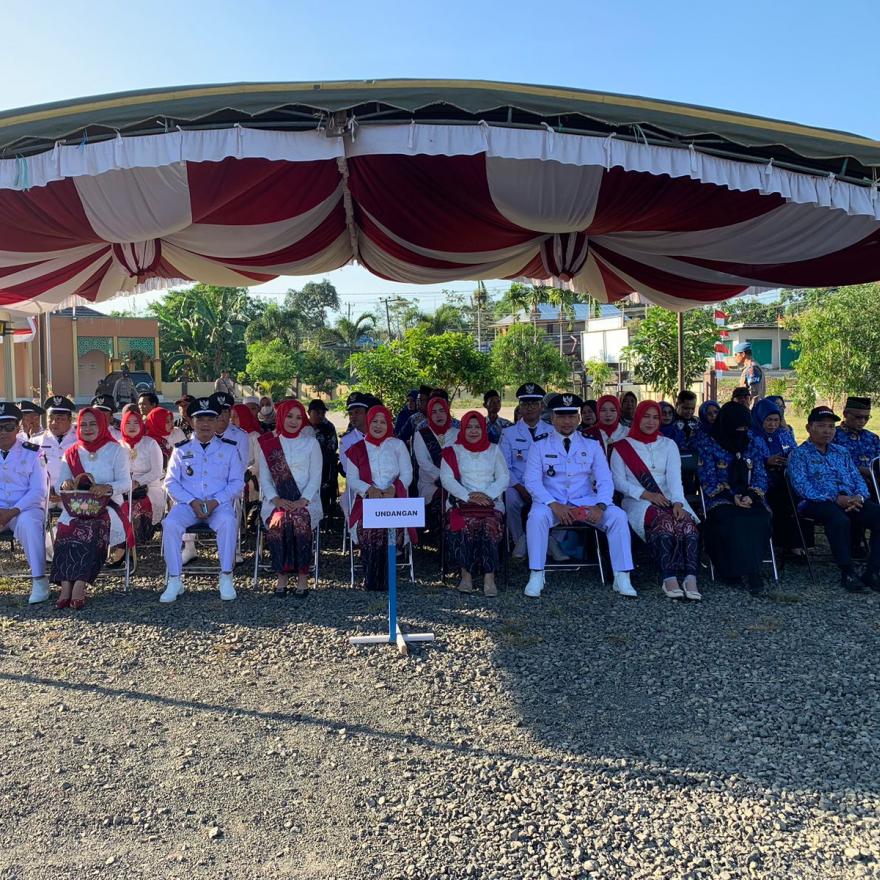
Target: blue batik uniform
{"type": "Point", "coordinates": [713, 467]}
{"type": "Point", "coordinates": [495, 429]}
{"type": "Point", "coordinates": [822, 477]}
{"type": "Point", "coordinates": [863, 446]}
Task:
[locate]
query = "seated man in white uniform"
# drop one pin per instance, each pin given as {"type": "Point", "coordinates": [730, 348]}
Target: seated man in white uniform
{"type": "Point", "coordinates": [356, 405]}
{"type": "Point", "coordinates": [570, 482]}
{"type": "Point", "coordinates": [31, 419]}
{"type": "Point", "coordinates": [205, 476]}
{"type": "Point", "coordinates": [23, 493]}
{"type": "Point", "coordinates": [58, 437]}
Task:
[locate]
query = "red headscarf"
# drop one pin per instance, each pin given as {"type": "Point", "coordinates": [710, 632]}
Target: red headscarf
{"type": "Point", "coordinates": [608, 429]}
{"type": "Point", "coordinates": [281, 411]}
{"type": "Point", "coordinates": [635, 432]}
{"type": "Point", "coordinates": [157, 426]}
{"type": "Point", "coordinates": [129, 416]}
{"type": "Point", "coordinates": [104, 436]}
{"type": "Point", "coordinates": [246, 419]}
{"type": "Point", "coordinates": [483, 443]}
{"type": "Point", "coordinates": [447, 424]}
{"type": "Point", "coordinates": [372, 412]}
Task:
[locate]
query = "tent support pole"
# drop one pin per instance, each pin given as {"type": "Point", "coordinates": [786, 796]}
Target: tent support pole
{"type": "Point", "coordinates": [8, 356]}
{"type": "Point", "coordinates": [681, 351]}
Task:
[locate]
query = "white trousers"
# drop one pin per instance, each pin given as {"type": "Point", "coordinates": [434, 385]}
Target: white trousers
{"type": "Point", "coordinates": [614, 523]}
{"type": "Point", "coordinates": [27, 528]}
{"type": "Point", "coordinates": [514, 504]}
{"type": "Point", "coordinates": [224, 523]}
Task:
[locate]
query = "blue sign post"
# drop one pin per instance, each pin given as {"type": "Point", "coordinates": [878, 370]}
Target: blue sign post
{"type": "Point", "coordinates": [391, 514]}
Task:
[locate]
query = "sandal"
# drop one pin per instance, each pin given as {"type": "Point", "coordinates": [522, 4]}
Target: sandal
{"type": "Point", "coordinates": [672, 592]}
{"type": "Point", "coordinates": [690, 590]}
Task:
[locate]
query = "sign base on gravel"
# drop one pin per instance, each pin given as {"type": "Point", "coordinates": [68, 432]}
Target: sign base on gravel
{"type": "Point", "coordinates": [393, 513]}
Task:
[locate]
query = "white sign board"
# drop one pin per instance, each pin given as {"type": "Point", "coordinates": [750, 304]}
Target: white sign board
{"type": "Point", "coordinates": [394, 513]}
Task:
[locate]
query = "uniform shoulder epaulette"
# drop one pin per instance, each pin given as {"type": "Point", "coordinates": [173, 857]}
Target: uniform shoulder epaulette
{"type": "Point", "coordinates": [180, 443]}
{"type": "Point", "coordinates": [26, 444]}
{"type": "Point", "coordinates": [227, 440]}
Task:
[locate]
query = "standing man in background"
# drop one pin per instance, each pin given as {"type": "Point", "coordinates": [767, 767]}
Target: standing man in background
{"type": "Point", "coordinates": [752, 376]}
{"type": "Point", "coordinates": [124, 391]}
{"type": "Point", "coordinates": [225, 384]}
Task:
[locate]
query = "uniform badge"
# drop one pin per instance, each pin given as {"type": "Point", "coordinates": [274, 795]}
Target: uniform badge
{"type": "Point", "coordinates": [530, 389]}
{"type": "Point", "coordinates": [189, 470]}
{"type": "Point", "coordinates": [567, 399]}
{"type": "Point", "coordinates": [204, 402]}
{"type": "Point", "coordinates": [2, 409]}
{"type": "Point", "coordinates": [551, 471]}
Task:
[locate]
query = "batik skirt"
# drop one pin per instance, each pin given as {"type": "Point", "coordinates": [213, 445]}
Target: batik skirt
{"type": "Point", "coordinates": [80, 549]}
{"type": "Point", "coordinates": [674, 543]}
{"type": "Point", "coordinates": [373, 545]}
{"type": "Point", "coordinates": [289, 539]}
{"type": "Point", "coordinates": [474, 547]}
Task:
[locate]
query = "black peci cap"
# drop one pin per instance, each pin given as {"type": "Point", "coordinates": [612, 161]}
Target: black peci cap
{"type": "Point", "coordinates": [28, 406]}
{"type": "Point", "coordinates": [104, 402]}
{"type": "Point", "coordinates": [565, 403]}
{"type": "Point", "coordinates": [58, 403]}
{"type": "Point", "coordinates": [530, 391]}
{"type": "Point", "coordinates": [9, 411]}
{"type": "Point", "coordinates": [222, 400]}
{"type": "Point", "coordinates": [204, 406]}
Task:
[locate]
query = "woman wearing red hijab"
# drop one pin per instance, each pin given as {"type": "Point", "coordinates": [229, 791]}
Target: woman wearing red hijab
{"type": "Point", "coordinates": [147, 473]}
{"type": "Point", "coordinates": [98, 463]}
{"type": "Point", "coordinates": [290, 486]}
{"type": "Point", "coordinates": [475, 476]}
{"type": "Point", "coordinates": [159, 425]}
{"type": "Point", "coordinates": [378, 466]}
{"type": "Point", "coordinates": [646, 467]}
{"type": "Point", "coordinates": [439, 431]}
{"type": "Point", "coordinates": [608, 428]}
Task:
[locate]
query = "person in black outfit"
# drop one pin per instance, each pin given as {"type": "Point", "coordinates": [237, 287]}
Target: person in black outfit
{"type": "Point", "coordinates": [325, 434]}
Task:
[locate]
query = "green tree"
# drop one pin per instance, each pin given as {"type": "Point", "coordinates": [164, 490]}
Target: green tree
{"type": "Point", "coordinates": [838, 340]}
{"type": "Point", "coordinates": [272, 365]}
{"type": "Point", "coordinates": [449, 360]}
{"type": "Point", "coordinates": [750, 311]}
{"type": "Point", "coordinates": [388, 371]}
{"type": "Point", "coordinates": [319, 368]}
{"type": "Point", "coordinates": [447, 318]}
{"type": "Point", "coordinates": [653, 347]}
{"type": "Point", "coordinates": [348, 336]}
{"type": "Point", "coordinates": [600, 374]}
{"type": "Point", "coordinates": [523, 355]}
{"type": "Point", "coordinates": [312, 303]}
{"type": "Point", "coordinates": [202, 330]}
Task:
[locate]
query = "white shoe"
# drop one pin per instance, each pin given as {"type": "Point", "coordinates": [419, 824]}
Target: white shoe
{"type": "Point", "coordinates": [535, 584]}
{"type": "Point", "coordinates": [622, 584]}
{"type": "Point", "coordinates": [227, 590]}
{"type": "Point", "coordinates": [39, 590]}
{"type": "Point", "coordinates": [189, 552]}
{"type": "Point", "coordinates": [520, 548]}
{"type": "Point", "coordinates": [555, 551]}
{"type": "Point", "coordinates": [173, 589]}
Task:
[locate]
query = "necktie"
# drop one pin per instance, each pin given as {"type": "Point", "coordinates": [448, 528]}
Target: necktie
{"type": "Point", "coordinates": [566, 442]}
{"type": "Point", "coordinates": [4, 453]}
{"type": "Point", "coordinates": [205, 445]}
{"type": "Point", "coordinates": [532, 432]}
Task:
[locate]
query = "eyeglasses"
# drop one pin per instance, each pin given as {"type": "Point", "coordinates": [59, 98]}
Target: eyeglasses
{"type": "Point", "coordinates": [7, 426]}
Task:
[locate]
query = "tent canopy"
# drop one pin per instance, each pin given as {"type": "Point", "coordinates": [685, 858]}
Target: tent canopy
{"type": "Point", "coordinates": [426, 181]}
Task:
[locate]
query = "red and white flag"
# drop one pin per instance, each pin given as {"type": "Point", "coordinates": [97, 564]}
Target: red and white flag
{"type": "Point", "coordinates": [721, 348]}
{"type": "Point", "coordinates": [721, 317]}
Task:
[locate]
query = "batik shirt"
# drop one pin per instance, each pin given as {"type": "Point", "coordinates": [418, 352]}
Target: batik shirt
{"type": "Point", "coordinates": [863, 446]}
{"type": "Point", "coordinates": [494, 429]}
{"type": "Point", "coordinates": [714, 466]}
{"type": "Point", "coordinates": [817, 476]}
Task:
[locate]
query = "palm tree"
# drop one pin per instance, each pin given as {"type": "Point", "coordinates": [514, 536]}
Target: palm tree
{"type": "Point", "coordinates": [446, 319]}
{"type": "Point", "coordinates": [347, 334]}
{"type": "Point", "coordinates": [527, 297]}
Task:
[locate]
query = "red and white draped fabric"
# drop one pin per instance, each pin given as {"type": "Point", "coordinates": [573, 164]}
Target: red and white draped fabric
{"type": "Point", "coordinates": [422, 203]}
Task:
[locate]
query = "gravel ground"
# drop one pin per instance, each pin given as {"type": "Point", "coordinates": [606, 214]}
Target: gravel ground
{"type": "Point", "coordinates": [580, 735]}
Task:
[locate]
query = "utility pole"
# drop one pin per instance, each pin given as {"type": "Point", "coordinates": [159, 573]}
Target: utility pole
{"type": "Point", "coordinates": [681, 351]}
{"type": "Point", "coordinates": [388, 317]}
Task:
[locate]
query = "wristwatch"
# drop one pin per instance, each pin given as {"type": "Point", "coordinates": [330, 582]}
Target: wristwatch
{"type": "Point", "coordinates": [602, 505]}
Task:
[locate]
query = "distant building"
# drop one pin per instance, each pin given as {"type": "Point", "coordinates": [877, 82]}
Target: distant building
{"type": "Point", "coordinates": [83, 348]}
{"type": "Point", "coordinates": [547, 318]}
{"type": "Point", "coordinates": [771, 345]}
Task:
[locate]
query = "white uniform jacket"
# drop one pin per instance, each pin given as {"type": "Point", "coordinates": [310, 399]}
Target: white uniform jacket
{"type": "Point", "coordinates": [242, 442]}
{"type": "Point", "coordinates": [515, 443]}
{"type": "Point", "coordinates": [303, 456]}
{"type": "Point", "coordinates": [663, 460]}
{"type": "Point", "coordinates": [23, 481]}
{"type": "Point", "coordinates": [52, 451]}
{"type": "Point", "coordinates": [484, 472]}
{"type": "Point", "coordinates": [197, 474]}
{"type": "Point", "coordinates": [580, 477]}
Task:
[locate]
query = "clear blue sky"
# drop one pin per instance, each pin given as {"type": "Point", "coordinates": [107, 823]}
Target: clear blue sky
{"type": "Point", "coordinates": [802, 61]}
